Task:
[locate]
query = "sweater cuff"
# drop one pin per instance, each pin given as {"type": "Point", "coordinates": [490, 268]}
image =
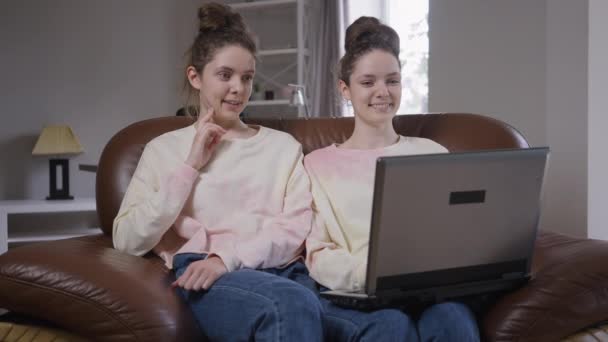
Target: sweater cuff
{"type": "Point", "coordinates": [230, 260]}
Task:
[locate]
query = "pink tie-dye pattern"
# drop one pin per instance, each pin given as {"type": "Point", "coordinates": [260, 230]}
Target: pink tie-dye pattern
{"type": "Point", "coordinates": [342, 186]}
{"type": "Point", "coordinates": [251, 205]}
{"type": "Point", "coordinates": [243, 219]}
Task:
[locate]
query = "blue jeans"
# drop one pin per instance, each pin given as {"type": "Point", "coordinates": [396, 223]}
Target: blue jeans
{"type": "Point", "coordinates": [284, 304]}
{"type": "Point", "coordinates": [448, 321]}
{"type": "Point", "coordinates": [260, 305]}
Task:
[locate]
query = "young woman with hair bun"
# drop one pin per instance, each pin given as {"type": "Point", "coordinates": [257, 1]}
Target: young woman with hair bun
{"type": "Point", "coordinates": [342, 179]}
{"type": "Point", "coordinates": [232, 236]}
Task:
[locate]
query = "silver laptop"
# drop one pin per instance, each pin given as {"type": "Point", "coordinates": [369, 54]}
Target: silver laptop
{"type": "Point", "coordinates": [450, 225]}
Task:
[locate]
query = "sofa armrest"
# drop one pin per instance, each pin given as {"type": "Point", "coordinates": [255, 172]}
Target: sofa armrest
{"type": "Point", "coordinates": [567, 293]}
{"type": "Point", "coordinates": [85, 286]}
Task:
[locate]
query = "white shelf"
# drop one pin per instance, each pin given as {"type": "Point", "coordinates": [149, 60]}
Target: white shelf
{"type": "Point", "coordinates": [261, 4]}
{"type": "Point", "coordinates": [48, 206]}
{"type": "Point", "coordinates": [285, 45]}
{"type": "Point", "coordinates": [13, 207]}
{"type": "Point", "coordinates": [276, 52]}
{"type": "Point", "coordinates": [268, 102]}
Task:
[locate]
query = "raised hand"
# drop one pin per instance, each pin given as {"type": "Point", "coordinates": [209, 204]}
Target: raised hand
{"type": "Point", "coordinates": [201, 274]}
{"type": "Point", "coordinates": [207, 137]}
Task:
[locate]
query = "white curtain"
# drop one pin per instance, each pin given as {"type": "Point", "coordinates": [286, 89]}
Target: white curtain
{"type": "Point", "coordinates": [325, 24]}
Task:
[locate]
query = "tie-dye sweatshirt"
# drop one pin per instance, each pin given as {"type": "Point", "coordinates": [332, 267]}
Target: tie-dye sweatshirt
{"type": "Point", "coordinates": [342, 189]}
{"type": "Point", "coordinates": [250, 205]}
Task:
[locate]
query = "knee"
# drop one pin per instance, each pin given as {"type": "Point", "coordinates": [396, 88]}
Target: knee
{"type": "Point", "coordinates": [389, 325]}
{"type": "Point", "coordinates": [297, 302]}
{"type": "Point", "coordinates": [297, 314]}
{"type": "Point", "coordinates": [448, 321]}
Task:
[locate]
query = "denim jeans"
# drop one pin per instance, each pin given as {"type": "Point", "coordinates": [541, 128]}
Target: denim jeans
{"type": "Point", "coordinates": [247, 305]}
{"type": "Point", "coordinates": [449, 321]}
{"type": "Point", "coordinates": [283, 304]}
{"type": "Point", "coordinates": [352, 325]}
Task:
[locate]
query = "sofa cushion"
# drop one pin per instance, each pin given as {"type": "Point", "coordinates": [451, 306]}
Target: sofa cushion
{"type": "Point", "coordinates": [86, 287]}
{"type": "Point", "coordinates": [568, 292]}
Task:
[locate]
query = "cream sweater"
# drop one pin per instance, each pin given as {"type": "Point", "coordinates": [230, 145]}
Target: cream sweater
{"type": "Point", "coordinates": [342, 188]}
{"type": "Point", "coordinates": [250, 205]}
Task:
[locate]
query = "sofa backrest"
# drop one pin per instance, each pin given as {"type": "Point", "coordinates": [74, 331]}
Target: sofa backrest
{"type": "Point", "coordinates": [455, 131]}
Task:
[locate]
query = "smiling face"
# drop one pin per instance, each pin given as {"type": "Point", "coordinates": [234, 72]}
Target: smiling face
{"type": "Point", "coordinates": [225, 83]}
{"type": "Point", "coordinates": [375, 87]}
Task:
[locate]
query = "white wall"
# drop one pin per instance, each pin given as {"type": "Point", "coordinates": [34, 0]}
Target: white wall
{"type": "Point", "coordinates": [489, 57]}
{"type": "Point", "coordinates": [598, 120]}
{"type": "Point", "coordinates": [525, 62]}
{"type": "Point", "coordinates": [565, 206]}
{"type": "Point", "coordinates": [95, 65]}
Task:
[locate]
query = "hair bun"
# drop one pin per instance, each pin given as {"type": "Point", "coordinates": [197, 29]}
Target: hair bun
{"type": "Point", "coordinates": [369, 31]}
{"type": "Point", "coordinates": [359, 30]}
{"type": "Point", "coordinates": [218, 17]}
{"type": "Point", "coordinates": [362, 36]}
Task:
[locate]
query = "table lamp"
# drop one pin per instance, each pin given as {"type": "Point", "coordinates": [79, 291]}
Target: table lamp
{"type": "Point", "coordinates": [298, 98]}
{"type": "Point", "coordinates": [56, 141]}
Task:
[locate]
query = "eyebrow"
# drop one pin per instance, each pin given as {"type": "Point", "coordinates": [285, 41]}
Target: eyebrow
{"type": "Point", "coordinates": [372, 76]}
{"type": "Point", "coordinates": [225, 68]}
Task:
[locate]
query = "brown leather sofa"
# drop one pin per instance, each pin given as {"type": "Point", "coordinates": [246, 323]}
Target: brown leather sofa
{"type": "Point", "coordinates": [84, 286]}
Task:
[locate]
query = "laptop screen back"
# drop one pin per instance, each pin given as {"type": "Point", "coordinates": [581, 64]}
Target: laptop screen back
{"type": "Point", "coordinates": [471, 215]}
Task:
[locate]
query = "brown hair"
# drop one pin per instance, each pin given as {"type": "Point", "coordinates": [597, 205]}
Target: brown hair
{"type": "Point", "coordinates": [219, 26]}
{"type": "Point", "coordinates": [362, 36]}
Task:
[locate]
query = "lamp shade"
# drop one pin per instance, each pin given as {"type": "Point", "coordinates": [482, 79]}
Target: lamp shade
{"type": "Point", "coordinates": [298, 98]}
{"type": "Point", "coordinates": [55, 140]}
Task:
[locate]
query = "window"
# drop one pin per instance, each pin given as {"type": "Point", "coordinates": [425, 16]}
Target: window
{"type": "Point", "coordinates": [410, 19]}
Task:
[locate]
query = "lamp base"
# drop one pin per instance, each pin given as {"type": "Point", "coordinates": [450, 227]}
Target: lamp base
{"type": "Point", "coordinates": [49, 198]}
{"type": "Point", "coordinates": [59, 188]}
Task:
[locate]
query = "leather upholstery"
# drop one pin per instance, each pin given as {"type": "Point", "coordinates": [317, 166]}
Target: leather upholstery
{"type": "Point", "coordinates": [95, 291]}
{"type": "Point", "coordinates": [86, 287]}
{"type": "Point", "coordinates": [568, 292]}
